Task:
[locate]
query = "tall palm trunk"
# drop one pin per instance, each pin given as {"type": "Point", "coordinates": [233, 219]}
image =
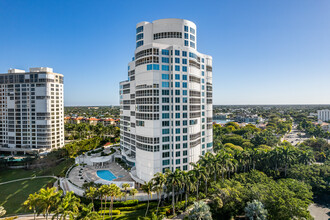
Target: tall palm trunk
{"type": "Point", "coordinates": [197, 189]}
{"type": "Point", "coordinates": [105, 206]}
{"type": "Point", "coordinates": [173, 201]}
{"type": "Point", "coordinates": [160, 196]}
{"type": "Point", "coordinates": [34, 214]}
{"type": "Point", "coordinates": [147, 207]}
{"type": "Point", "coordinates": [110, 208]}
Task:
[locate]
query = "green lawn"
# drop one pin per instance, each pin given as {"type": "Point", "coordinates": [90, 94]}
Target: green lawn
{"type": "Point", "coordinates": [12, 195]}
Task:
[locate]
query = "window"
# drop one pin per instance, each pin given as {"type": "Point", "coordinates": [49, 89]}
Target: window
{"type": "Point", "coordinates": [165, 92]}
{"type": "Point", "coordinates": [140, 29]}
{"type": "Point", "coordinates": [184, 77]}
{"type": "Point", "coordinates": [184, 61]}
{"type": "Point", "coordinates": [185, 107]}
{"type": "Point", "coordinates": [184, 100]}
{"type": "Point", "coordinates": [139, 43]}
{"type": "Point", "coordinates": [185, 28]}
{"type": "Point", "coordinates": [186, 43]}
{"type": "Point", "coordinates": [165, 59]}
{"type": "Point", "coordinates": [184, 115]}
{"type": "Point", "coordinates": [184, 69]}
{"type": "Point", "coordinates": [184, 53]}
{"type": "Point", "coordinates": [177, 123]}
{"type": "Point", "coordinates": [155, 66]}
{"type": "Point", "coordinates": [202, 60]}
{"type": "Point", "coordinates": [203, 73]}
{"type": "Point", "coordinates": [192, 44]}
{"type": "Point", "coordinates": [167, 35]}
{"type": "Point", "coordinates": [139, 36]}
{"type": "Point", "coordinates": [166, 131]}
{"type": "Point", "coordinates": [166, 146]}
{"type": "Point", "coordinates": [177, 76]}
{"type": "Point", "coordinates": [165, 84]}
{"type": "Point", "coordinates": [166, 139]}
{"type": "Point", "coordinates": [165, 67]}
{"type": "Point", "coordinates": [165, 123]}
{"type": "Point", "coordinates": [149, 67]}
{"type": "Point", "coordinates": [177, 52]}
{"type": "Point", "coordinates": [192, 37]}
{"type": "Point", "coordinates": [184, 122]}
{"type": "Point", "coordinates": [177, 68]}
{"type": "Point", "coordinates": [166, 162]}
{"type": "Point", "coordinates": [184, 153]}
{"type": "Point", "coordinates": [177, 84]}
{"type": "Point", "coordinates": [177, 161]}
{"type": "Point", "coordinates": [165, 76]}
{"type": "Point", "coordinates": [177, 60]}
{"type": "Point", "coordinates": [185, 145]}
{"type": "Point", "coordinates": [177, 100]}
{"type": "Point", "coordinates": [165, 100]}
{"type": "Point", "coordinates": [203, 81]}
{"type": "Point", "coordinates": [177, 138]}
{"type": "Point", "coordinates": [165, 107]}
{"type": "Point", "coordinates": [185, 167]}
{"type": "Point", "coordinates": [177, 146]}
{"type": "Point", "coordinates": [177, 115]}
{"type": "Point", "coordinates": [192, 30]}
{"type": "Point", "coordinates": [177, 130]}
{"type": "Point", "coordinates": [165, 52]}
{"type": "Point", "coordinates": [184, 160]}
{"type": "Point", "coordinates": [166, 115]}
{"type": "Point", "coordinates": [186, 35]}
{"type": "Point", "coordinates": [185, 137]}
{"type": "Point", "coordinates": [184, 130]}
{"type": "Point", "coordinates": [177, 154]}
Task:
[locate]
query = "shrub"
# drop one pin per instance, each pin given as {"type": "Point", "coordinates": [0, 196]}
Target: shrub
{"type": "Point", "coordinates": [114, 212]}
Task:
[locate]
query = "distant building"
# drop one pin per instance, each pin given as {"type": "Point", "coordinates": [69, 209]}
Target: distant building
{"type": "Point", "coordinates": [31, 110]}
{"type": "Point", "coordinates": [248, 118]}
{"type": "Point", "coordinates": [323, 115]}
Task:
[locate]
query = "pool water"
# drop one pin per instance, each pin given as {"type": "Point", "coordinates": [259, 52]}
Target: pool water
{"type": "Point", "coordinates": [106, 175]}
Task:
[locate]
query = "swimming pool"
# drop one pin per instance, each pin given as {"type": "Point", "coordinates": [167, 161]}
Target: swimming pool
{"type": "Point", "coordinates": [106, 175]}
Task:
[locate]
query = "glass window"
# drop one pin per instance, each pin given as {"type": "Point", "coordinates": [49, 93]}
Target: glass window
{"type": "Point", "coordinates": [184, 77]}
{"type": "Point", "coordinates": [165, 76]}
{"type": "Point", "coordinates": [177, 52]}
{"type": "Point", "coordinates": [165, 84]}
{"type": "Point", "coordinates": [177, 123]}
{"type": "Point", "coordinates": [177, 60]}
{"type": "Point", "coordinates": [177, 115]}
{"type": "Point", "coordinates": [185, 145]}
{"type": "Point", "coordinates": [184, 69]}
{"type": "Point", "coordinates": [177, 92]}
{"type": "Point", "coordinates": [177, 130]}
{"type": "Point", "coordinates": [177, 84]}
{"type": "Point", "coordinates": [185, 28]}
{"type": "Point", "coordinates": [139, 36]}
{"type": "Point", "coordinates": [184, 61]}
{"type": "Point", "coordinates": [165, 107]}
{"type": "Point", "coordinates": [184, 100]}
{"type": "Point", "coordinates": [203, 73]}
{"type": "Point", "coordinates": [177, 100]}
{"type": "Point", "coordinates": [184, 92]}
{"type": "Point", "coordinates": [149, 67]}
{"type": "Point", "coordinates": [184, 115]}
{"type": "Point", "coordinates": [140, 29]}
{"type": "Point", "coordinates": [186, 35]}
{"type": "Point", "coordinates": [203, 81]}
{"type": "Point", "coordinates": [166, 162]}
{"type": "Point", "coordinates": [184, 130]}
{"type": "Point", "coordinates": [177, 68]}
{"type": "Point", "coordinates": [184, 122]}
{"type": "Point", "coordinates": [177, 146]}
{"type": "Point", "coordinates": [184, 53]}
{"type": "Point", "coordinates": [139, 43]}
{"type": "Point", "coordinates": [165, 92]}
{"type": "Point", "coordinates": [165, 123]}
{"type": "Point", "coordinates": [177, 161]}
{"type": "Point", "coordinates": [165, 67]}
{"type": "Point", "coordinates": [166, 115]}
{"type": "Point", "coordinates": [177, 76]}
{"type": "Point", "coordinates": [185, 107]}
{"type": "Point", "coordinates": [177, 138]}
{"type": "Point", "coordinates": [177, 154]}
{"type": "Point", "coordinates": [192, 30]}
{"type": "Point", "coordinates": [165, 52]}
{"type": "Point", "coordinates": [166, 100]}
{"type": "Point", "coordinates": [166, 139]}
{"type": "Point", "coordinates": [202, 60]}
{"type": "Point", "coordinates": [192, 37]}
{"type": "Point", "coordinates": [185, 153]}
{"type": "Point", "coordinates": [166, 131]}
{"type": "Point", "coordinates": [185, 137]}
{"type": "Point", "coordinates": [155, 66]}
{"type": "Point", "coordinates": [192, 44]}
{"type": "Point", "coordinates": [165, 59]}
{"type": "Point", "coordinates": [186, 43]}
{"type": "Point", "coordinates": [166, 146]}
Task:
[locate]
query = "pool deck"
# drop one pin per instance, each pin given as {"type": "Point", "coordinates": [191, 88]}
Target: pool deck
{"type": "Point", "coordinates": [79, 175]}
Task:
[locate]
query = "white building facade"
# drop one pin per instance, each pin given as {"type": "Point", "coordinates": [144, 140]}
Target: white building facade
{"type": "Point", "coordinates": [166, 103]}
{"type": "Point", "coordinates": [323, 115]}
{"type": "Point", "coordinates": [31, 110]}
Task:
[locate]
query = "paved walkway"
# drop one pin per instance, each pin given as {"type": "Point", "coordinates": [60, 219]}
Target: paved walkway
{"type": "Point", "coordinates": [28, 178]}
{"type": "Point", "coordinates": [319, 212]}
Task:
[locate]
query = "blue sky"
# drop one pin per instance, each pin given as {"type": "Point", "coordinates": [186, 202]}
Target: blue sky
{"type": "Point", "coordinates": [264, 51]}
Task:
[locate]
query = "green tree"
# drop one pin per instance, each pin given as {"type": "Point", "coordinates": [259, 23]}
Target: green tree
{"type": "Point", "coordinates": [200, 211]}
{"type": "Point", "coordinates": [174, 180]}
{"type": "Point", "coordinates": [32, 202]}
{"type": "Point", "coordinates": [148, 188]}
{"type": "Point", "coordinates": [125, 186]}
{"type": "Point", "coordinates": [48, 198]}
{"type": "Point", "coordinates": [159, 180]}
{"type": "Point", "coordinates": [255, 211]}
{"type": "Point", "coordinates": [113, 192]}
{"type": "Point", "coordinates": [91, 193]}
{"type": "Point", "coordinates": [133, 192]}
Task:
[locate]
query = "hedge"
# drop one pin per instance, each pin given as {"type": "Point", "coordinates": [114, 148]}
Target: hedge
{"type": "Point", "coordinates": [114, 212]}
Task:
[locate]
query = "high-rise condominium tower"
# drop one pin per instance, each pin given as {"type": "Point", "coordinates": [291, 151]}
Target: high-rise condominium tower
{"type": "Point", "coordinates": [166, 103]}
{"type": "Point", "coordinates": [31, 110]}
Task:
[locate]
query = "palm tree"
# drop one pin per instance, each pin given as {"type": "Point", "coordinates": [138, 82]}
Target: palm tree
{"type": "Point", "coordinates": [114, 191]}
{"type": "Point", "coordinates": [287, 155]}
{"type": "Point", "coordinates": [104, 192]}
{"type": "Point", "coordinates": [91, 193]}
{"type": "Point", "coordinates": [48, 198]}
{"type": "Point", "coordinates": [199, 173]}
{"type": "Point", "coordinates": [188, 184]}
{"type": "Point", "coordinates": [174, 179]}
{"type": "Point", "coordinates": [125, 186]}
{"type": "Point", "coordinates": [160, 181]}
{"type": "Point", "coordinates": [32, 202]}
{"type": "Point", "coordinates": [68, 207]}
{"type": "Point", "coordinates": [148, 188]}
{"type": "Point", "coordinates": [306, 157]}
{"type": "Point", "coordinates": [200, 211]}
{"type": "Point", "coordinates": [87, 213]}
{"type": "Point", "coordinates": [133, 192]}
